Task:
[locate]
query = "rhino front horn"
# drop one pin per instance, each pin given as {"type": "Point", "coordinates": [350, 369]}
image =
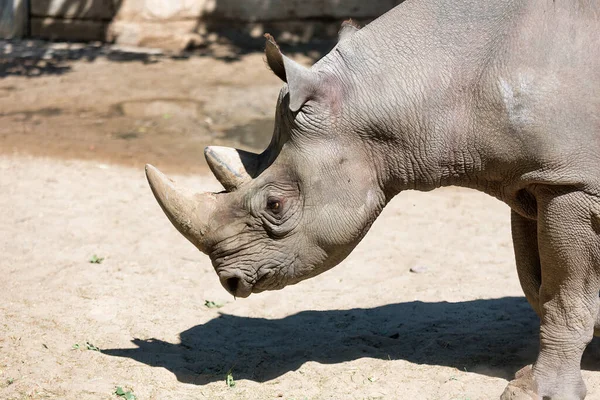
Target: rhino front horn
{"type": "Point", "coordinates": [232, 167]}
{"type": "Point", "coordinates": [188, 212]}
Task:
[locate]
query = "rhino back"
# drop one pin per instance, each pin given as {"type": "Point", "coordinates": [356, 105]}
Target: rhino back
{"type": "Point", "coordinates": [549, 92]}
{"type": "Point", "coordinates": [517, 82]}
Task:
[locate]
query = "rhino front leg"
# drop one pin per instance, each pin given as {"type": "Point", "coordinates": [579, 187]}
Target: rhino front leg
{"type": "Point", "coordinates": [527, 257]}
{"type": "Point", "coordinates": [569, 251]}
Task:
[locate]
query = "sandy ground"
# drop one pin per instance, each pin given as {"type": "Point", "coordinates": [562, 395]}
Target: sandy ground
{"type": "Point", "coordinates": [72, 149]}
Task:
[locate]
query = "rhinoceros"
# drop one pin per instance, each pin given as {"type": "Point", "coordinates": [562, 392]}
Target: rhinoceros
{"type": "Point", "coordinates": [497, 95]}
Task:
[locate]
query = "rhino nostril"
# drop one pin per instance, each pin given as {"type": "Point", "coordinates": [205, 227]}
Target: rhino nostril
{"type": "Point", "coordinates": [232, 285]}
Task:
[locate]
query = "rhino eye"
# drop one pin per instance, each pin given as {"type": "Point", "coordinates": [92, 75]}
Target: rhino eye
{"type": "Point", "coordinates": [274, 205]}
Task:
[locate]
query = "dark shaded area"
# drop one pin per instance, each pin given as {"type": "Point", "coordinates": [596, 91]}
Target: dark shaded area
{"type": "Point", "coordinates": [494, 337]}
{"type": "Point", "coordinates": [33, 58]}
{"type": "Point", "coordinates": [227, 43]}
{"type": "Point", "coordinates": [297, 32]}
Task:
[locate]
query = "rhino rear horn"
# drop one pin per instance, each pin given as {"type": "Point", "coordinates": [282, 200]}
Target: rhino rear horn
{"type": "Point", "coordinates": [303, 83]}
{"type": "Point", "coordinates": [232, 167]}
{"type": "Point", "coordinates": [349, 28]}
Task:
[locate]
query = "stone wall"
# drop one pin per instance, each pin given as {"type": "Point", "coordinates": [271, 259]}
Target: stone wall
{"type": "Point", "coordinates": [177, 24]}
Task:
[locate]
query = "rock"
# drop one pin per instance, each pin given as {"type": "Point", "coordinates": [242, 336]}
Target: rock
{"type": "Point", "coordinates": [419, 269]}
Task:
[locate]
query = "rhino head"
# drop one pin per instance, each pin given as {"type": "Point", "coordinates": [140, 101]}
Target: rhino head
{"type": "Point", "coordinates": [293, 211]}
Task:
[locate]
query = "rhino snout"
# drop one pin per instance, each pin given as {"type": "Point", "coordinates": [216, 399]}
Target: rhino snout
{"type": "Point", "coordinates": [235, 284]}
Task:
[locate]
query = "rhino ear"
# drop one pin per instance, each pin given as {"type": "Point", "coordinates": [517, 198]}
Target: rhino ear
{"type": "Point", "coordinates": [303, 84]}
{"type": "Point", "coordinates": [274, 57]}
{"type": "Point", "coordinates": [349, 28]}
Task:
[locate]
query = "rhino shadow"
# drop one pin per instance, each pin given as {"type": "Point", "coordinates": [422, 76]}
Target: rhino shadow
{"type": "Point", "coordinates": [494, 337]}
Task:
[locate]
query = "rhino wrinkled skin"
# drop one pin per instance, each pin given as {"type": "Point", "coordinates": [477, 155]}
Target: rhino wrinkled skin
{"type": "Point", "coordinates": [500, 96]}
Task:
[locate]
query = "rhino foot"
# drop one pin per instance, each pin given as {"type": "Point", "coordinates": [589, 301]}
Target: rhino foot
{"type": "Point", "coordinates": [523, 387]}
{"type": "Point", "coordinates": [526, 387]}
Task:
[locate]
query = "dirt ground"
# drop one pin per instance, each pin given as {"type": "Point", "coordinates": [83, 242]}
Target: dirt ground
{"type": "Point", "coordinates": [73, 142]}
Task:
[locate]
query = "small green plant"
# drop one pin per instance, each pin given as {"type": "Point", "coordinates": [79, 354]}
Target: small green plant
{"type": "Point", "coordinates": [96, 260]}
{"type": "Point", "coordinates": [212, 304]}
{"type": "Point", "coordinates": [127, 395]}
{"type": "Point", "coordinates": [229, 379]}
{"type": "Point", "coordinates": [88, 346]}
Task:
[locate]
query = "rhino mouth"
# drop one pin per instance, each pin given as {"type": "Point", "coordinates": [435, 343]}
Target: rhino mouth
{"type": "Point", "coordinates": [235, 284]}
{"type": "Point", "coordinates": [240, 283]}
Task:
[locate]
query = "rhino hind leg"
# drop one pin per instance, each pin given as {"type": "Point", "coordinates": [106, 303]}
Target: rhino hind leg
{"type": "Point", "coordinates": [527, 257]}
{"type": "Point", "coordinates": [597, 325]}
{"type": "Point", "coordinates": [569, 253]}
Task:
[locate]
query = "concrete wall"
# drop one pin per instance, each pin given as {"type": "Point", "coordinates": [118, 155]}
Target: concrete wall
{"type": "Point", "coordinates": [13, 18]}
{"type": "Point", "coordinates": [177, 24]}
{"type": "Point", "coordinates": [84, 20]}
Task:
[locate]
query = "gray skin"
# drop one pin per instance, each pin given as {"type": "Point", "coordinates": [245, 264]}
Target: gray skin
{"type": "Point", "coordinates": [500, 96]}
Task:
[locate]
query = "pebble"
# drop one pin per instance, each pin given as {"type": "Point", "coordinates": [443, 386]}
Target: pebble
{"type": "Point", "coordinates": [418, 269]}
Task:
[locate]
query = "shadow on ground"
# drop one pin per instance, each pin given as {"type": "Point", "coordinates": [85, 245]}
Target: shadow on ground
{"type": "Point", "coordinates": [33, 58]}
{"type": "Point", "coordinates": [494, 337]}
